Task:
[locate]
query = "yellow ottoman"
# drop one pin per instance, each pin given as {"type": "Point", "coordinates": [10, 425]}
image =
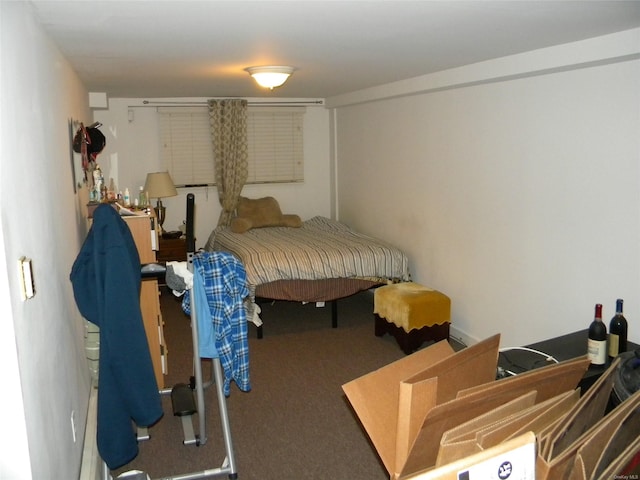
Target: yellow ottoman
{"type": "Point", "coordinates": [412, 313]}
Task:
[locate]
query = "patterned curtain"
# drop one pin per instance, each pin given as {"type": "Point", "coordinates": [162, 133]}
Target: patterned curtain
{"type": "Point", "coordinates": [229, 135]}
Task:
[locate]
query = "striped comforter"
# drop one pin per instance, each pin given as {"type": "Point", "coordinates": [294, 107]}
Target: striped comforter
{"type": "Point", "coordinates": [320, 249]}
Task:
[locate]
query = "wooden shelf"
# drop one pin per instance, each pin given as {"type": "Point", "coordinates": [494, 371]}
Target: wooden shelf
{"type": "Point", "coordinates": [141, 228]}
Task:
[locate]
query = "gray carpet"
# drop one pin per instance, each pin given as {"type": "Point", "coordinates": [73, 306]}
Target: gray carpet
{"type": "Point", "coordinates": [296, 422]}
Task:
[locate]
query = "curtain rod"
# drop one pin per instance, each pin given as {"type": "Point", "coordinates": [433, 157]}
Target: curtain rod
{"type": "Point", "coordinates": [265, 104]}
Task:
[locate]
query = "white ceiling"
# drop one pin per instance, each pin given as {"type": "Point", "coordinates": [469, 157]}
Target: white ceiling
{"type": "Point", "coordinates": [174, 48]}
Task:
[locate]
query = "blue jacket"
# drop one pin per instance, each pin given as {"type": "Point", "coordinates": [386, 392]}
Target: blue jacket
{"type": "Point", "coordinates": [106, 286]}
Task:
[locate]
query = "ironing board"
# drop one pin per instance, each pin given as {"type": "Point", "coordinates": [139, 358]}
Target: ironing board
{"type": "Point", "coordinates": [181, 394]}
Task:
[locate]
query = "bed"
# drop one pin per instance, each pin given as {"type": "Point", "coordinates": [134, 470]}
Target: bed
{"type": "Point", "coordinates": [322, 260]}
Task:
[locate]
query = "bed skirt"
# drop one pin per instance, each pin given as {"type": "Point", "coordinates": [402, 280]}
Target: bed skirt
{"type": "Point", "coordinates": [323, 290]}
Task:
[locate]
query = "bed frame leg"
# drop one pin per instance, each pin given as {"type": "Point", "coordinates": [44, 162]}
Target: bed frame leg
{"type": "Point", "coordinates": [334, 314]}
{"type": "Point", "coordinates": [334, 319]}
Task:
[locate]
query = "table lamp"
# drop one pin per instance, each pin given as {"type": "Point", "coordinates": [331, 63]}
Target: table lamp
{"type": "Point", "coordinates": [159, 185]}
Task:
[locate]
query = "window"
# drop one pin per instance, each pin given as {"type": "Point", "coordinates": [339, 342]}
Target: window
{"type": "Point", "coordinates": [185, 149]}
{"type": "Point", "coordinates": [274, 135]}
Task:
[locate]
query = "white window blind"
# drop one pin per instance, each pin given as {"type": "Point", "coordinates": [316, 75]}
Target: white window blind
{"type": "Point", "coordinates": [185, 145]}
{"type": "Point", "coordinates": [274, 136]}
{"type": "Point", "coordinates": [275, 144]}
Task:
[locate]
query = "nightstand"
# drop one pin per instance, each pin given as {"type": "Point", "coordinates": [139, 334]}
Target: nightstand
{"type": "Point", "coordinates": [172, 250]}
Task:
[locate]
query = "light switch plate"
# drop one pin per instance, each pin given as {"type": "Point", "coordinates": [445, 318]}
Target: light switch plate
{"type": "Point", "coordinates": [25, 273]}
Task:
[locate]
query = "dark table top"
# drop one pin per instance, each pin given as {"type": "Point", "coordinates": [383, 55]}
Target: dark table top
{"type": "Point", "coordinates": [564, 347]}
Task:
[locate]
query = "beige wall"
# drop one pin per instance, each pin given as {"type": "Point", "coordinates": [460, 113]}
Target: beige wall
{"type": "Point", "coordinates": [132, 152]}
{"type": "Point", "coordinates": [45, 375]}
{"type": "Point", "coordinates": [518, 197]}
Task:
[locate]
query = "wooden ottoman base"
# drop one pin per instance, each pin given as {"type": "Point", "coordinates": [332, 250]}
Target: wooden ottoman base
{"type": "Point", "coordinates": [411, 341]}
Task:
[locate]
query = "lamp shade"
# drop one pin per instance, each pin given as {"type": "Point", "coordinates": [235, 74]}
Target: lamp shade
{"type": "Point", "coordinates": [271, 76]}
{"type": "Point", "coordinates": [160, 185]}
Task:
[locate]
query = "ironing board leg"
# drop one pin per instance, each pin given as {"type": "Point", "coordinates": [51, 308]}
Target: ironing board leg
{"type": "Point", "coordinates": [224, 417]}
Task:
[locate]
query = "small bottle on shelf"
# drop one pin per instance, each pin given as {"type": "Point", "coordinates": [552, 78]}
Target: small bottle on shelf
{"type": "Point", "coordinates": [617, 332]}
{"type": "Point", "coordinates": [97, 193]}
{"type": "Point", "coordinates": [112, 194]}
{"type": "Point", "coordinates": [127, 198]}
{"type": "Point", "coordinates": [597, 343]}
{"type": "Point", "coordinates": [142, 198]}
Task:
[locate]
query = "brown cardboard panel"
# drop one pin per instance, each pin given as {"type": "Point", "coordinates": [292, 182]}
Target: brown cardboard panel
{"type": "Point", "coordinates": [474, 365]}
{"type": "Point", "coordinates": [471, 429]}
{"type": "Point", "coordinates": [421, 392]}
{"type": "Point", "coordinates": [414, 403]}
{"type": "Point", "coordinates": [511, 426]}
{"type": "Point", "coordinates": [622, 461]}
{"type": "Point", "coordinates": [586, 412]}
{"type": "Point", "coordinates": [392, 422]}
{"type": "Point", "coordinates": [551, 381]}
{"type": "Point", "coordinates": [462, 440]}
{"type": "Point", "coordinates": [620, 428]}
{"type": "Point", "coordinates": [559, 469]}
{"type": "Point", "coordinates": [558, 448]}
{"type": "Point", "coordinates": [519, 452]}
{"type": "Point", "coordinates": [548, 381]}
{"type": "Point", "coordinates": [375, 397]}
{"type": "Point", "coordinates": [535, 419]}
{"type": "Point", "coordinates": [443, 417]}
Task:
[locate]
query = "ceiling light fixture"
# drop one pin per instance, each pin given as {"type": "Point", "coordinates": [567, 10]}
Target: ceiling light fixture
{"type": "Point", "coordinates": [270, 76]}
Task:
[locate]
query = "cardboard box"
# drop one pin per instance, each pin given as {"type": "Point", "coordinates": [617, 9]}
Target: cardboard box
{"type": "Point", "coordinates": [393, 401]}
{"type": "Point", "coordinates": [408, 406]}
{"type": "Point", "coordinates": [514, 459]}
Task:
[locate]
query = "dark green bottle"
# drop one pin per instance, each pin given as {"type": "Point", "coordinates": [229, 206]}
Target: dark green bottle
{"type": "Point", "coordinates": [617, 332]}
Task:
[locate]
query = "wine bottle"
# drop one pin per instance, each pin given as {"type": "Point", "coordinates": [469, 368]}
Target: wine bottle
{"type": "Point", "coordinates": [617, 332]}
{"type": "Point", "coordinates": [597, 344]}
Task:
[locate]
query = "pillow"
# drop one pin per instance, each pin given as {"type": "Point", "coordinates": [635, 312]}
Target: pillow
{"type": "Point", "coordinates": [290, 220]}
{"type": "Point", "coordinates": [261, 212]}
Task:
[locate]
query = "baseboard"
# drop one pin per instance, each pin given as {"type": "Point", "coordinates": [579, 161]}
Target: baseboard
{"type": "Point", "coordinates": [461, 336]}
{"type": "Point", "coordinates": [91, 468]}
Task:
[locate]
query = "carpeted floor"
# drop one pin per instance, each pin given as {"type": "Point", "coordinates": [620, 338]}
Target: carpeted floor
{"type": "Point", "coordinates": [296, 422]}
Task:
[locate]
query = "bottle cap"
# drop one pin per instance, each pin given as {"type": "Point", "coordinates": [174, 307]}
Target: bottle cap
{"type": "Point", "coordinates": [598, 310]}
